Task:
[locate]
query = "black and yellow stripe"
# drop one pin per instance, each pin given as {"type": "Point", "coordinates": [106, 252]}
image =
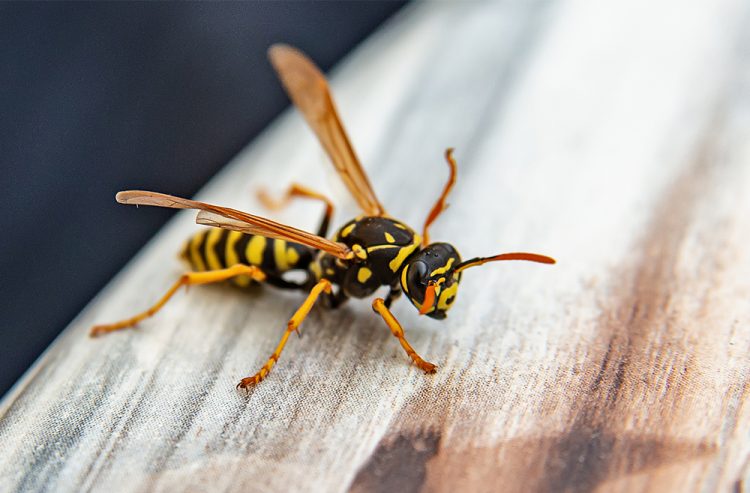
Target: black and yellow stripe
{"type": "Point", "coordinates": [215, 248]}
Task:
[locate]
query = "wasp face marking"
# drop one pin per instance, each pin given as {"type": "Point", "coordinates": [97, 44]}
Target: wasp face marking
{"type": "Point", "coordinates": [431, 269]}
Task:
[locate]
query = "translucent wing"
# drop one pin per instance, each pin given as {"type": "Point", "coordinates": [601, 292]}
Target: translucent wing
{"type": "Point", "coordinates": [225, 218]}
{"type": "Point", "coordinates": [308, 89]}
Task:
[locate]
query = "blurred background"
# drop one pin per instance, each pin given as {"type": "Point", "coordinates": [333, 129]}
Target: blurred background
{"type": "Point", "coordinates": [101, 97]}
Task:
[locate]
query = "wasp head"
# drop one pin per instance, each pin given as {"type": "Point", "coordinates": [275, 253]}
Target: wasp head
{"type": "Point", "coordinates": [430, 278]}
{"type": "Point", "coordinates": [430, 281]}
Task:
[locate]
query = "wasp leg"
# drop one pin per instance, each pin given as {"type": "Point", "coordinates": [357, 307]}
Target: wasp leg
{"type": "Point", "coordinates": [440, 205]}
{"type": "Point", "coordinates": [393, 295]}
{"type": "Point", "coordinates": [188, 279]}
{"type": "Point", "coordinates": [324, 285]}
{"type": "Point", "coordinates": [297, 190]}
{"type": "Point", "coordinates": [379, 306]}
{"type": "Point", "coordinates": [335, 300]}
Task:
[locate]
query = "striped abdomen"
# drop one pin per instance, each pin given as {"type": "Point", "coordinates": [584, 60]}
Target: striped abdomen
{"type": "Point", "coordinates": [215, 248]}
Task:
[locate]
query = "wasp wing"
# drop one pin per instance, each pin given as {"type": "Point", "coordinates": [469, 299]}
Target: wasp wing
{"type": "Point", "coordinates": [226, 218]}
{"type": "Point", "coordinates": [308, 89]}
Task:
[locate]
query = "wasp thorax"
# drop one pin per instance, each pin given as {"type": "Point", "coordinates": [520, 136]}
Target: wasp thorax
{"type": "Point", "coordinates": [429, 281]}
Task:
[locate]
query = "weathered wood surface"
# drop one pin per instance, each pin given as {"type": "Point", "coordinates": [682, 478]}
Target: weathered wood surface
{"type": "Point", "coordinates": [614, 136]}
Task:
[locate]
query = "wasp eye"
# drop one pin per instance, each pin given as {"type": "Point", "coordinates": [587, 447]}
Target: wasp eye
{"type": "Point", "coordinates": [417, 274]}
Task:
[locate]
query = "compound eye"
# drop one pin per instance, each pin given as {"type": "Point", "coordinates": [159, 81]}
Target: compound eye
{"type": "Point", "coordinates": [416, 276]}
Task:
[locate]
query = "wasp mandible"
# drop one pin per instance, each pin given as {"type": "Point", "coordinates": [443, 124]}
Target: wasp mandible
{"type": "Point", "coordinates": [365, 254]}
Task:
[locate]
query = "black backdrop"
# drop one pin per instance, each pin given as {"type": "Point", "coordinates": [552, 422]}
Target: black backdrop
{"type": "Point", "coordinates": [97, 97]}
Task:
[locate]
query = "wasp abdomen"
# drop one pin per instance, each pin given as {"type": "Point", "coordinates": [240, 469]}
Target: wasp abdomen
{"type": "Point", "coordinates": [215, 248]}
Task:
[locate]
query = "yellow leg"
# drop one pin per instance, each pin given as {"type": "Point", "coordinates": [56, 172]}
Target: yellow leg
{"type": "Point", "coordinates": [294, 322]}
{"type": "Point", "coordinates": [379, 306]}
{"type": "Point", "coordinates": [188, 279]}
{"type": "Point", "coordinates": [297, 190]}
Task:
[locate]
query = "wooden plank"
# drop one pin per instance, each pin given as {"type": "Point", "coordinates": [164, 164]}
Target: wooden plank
{"type": "Point", "coordinates": [612, 136]}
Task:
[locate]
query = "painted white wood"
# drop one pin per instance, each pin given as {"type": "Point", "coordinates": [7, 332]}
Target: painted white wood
{"type": "Point", "coordinates": [613, 136]}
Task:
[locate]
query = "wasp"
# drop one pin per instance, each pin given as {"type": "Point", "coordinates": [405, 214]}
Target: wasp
{"type": "Point", "coordinates": [373, 250]}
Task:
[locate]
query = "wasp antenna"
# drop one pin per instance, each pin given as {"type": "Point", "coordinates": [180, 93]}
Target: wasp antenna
{"type": "Point", "coordinates": [531, 257]}
{"type": "Point", "coordinates": [440, 205]}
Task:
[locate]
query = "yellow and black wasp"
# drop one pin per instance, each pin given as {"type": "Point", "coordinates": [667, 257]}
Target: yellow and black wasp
{"type": "Point", "coordinates": [366, 253]}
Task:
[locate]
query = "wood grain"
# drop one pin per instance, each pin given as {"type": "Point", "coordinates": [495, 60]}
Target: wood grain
{"type": "Point", "coordinates": [613, 136]}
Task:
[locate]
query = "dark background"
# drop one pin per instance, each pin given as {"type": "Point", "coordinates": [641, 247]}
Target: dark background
{"type": "Point", "coordinates": [95, 98]}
